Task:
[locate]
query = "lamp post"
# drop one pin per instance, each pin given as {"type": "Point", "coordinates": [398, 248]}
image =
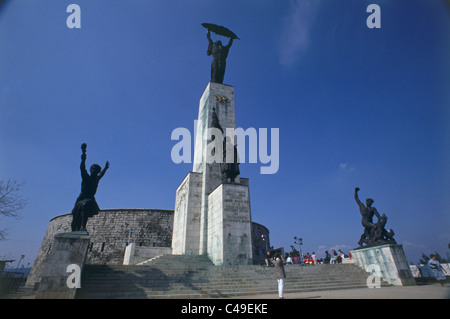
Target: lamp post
{"type": "Point", "coordinates": [21, 257]}
{"type": "Point", "coordinates": [299, 242]}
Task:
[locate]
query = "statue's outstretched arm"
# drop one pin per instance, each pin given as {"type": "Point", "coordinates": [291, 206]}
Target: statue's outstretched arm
{"type": "Point", "coordinates": [100, 175]}
{"type": "Point", "coordinates": [210, 44]}
{"type": "Point", "coordinates": [356, 197]}
{"type": "Point", "coordinates": [230, 43]}
{"type": "Point", "coordinates": [208, 36]}
{"type": "Point", "coordinates": [83, 161]}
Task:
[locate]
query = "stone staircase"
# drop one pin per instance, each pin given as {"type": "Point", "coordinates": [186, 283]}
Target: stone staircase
{"type": "Point", "coordinates": [183, 277]}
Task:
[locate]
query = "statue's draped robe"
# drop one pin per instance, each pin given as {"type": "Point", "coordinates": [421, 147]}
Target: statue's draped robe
{"type": "Point", "coordinates": [220, 54]}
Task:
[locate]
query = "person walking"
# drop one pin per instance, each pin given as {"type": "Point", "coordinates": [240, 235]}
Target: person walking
{"type": "Point", "coordinates": [280, 274]}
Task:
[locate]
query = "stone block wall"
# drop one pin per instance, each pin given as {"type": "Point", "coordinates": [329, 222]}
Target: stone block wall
{"type": "Point", "coordinates": [109, 232]}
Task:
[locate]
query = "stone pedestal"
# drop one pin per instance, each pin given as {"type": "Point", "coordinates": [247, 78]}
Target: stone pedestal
{"type": "Point", "coordinates": [229, 225]}
{"type": "Point", "coordinates": [391, 260]}
{"type": "Point", "coordinates": [68, 249]}
{"type": "Point", "coordinates": [218, 98]}
{"type": "Point", "coordinates": [212, 217]}
{"type": "Point", "coordinates": [186, 223]}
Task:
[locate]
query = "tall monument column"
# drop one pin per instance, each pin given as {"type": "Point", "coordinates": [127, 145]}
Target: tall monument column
{"type": "Point", "coordinates": [212, 213]}
{"type": "Point", "coordinates": [212, 210]}
{"type": "Point", "coordinates": [216, 109]}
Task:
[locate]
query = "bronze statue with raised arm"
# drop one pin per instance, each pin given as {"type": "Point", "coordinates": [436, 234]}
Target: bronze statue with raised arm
{"type": "Point", "coordinates": [218, 51]}
{"type": "Point", "coordinates": [374, 233]}
{"type": "Point", "coordinates": [86, 206]}
{"type": "Point", "coordinates": [220, 54]}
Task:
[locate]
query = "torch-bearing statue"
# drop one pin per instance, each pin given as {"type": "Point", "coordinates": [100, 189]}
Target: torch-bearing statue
{"type": "Point", "coordinates": [374, 233]}
{"type": "Point", "coordinates": [86, 206]}
{"type": "Point", "coordinates": [218, 51]}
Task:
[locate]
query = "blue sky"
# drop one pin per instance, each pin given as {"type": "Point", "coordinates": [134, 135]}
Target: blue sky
{"type": "Point", "coordinates": [355, 107]}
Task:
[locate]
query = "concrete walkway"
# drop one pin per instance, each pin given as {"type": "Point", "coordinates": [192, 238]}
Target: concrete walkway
{"type": "Point", "coordinates": [429, 291]}
{"type": "Point", "coordinates": [420, 291]}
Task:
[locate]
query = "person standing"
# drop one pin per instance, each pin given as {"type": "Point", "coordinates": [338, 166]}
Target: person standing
{"type": "Point", "coordinates": [314, 258]}
{"type": "Point", "coordinates": [280, 274]}
{"type": "Point", "coordinates": [334, 256]}
{"type": "Point", "coordinates": [267, 259]}
{"type": "Point", "coordinates": [327, 258]}
{"type": "Point", "coordinates": [436, 269]}
{"type": "Point", "coordinates": [341, 256]}
{"type": "Point", "coordinates": [289, 260]}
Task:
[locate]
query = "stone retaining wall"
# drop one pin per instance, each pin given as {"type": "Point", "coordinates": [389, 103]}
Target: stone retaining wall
{"type": "Point", "coordinates": [113, 229]}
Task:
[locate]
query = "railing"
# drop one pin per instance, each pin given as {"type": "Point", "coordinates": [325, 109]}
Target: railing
{"type": "Point", "coordinates": [10, 281]}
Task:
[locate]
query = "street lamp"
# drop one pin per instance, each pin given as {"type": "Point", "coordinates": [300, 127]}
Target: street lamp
{"type": "Point", "coordinates": [21, 257]}
{"type": "Point", "coordinates": [299, 242]}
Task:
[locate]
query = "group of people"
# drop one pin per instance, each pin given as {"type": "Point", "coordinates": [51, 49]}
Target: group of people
{"type": "Point", "coordinates": [306, 259]}
{"type": "Point", "coordinates": [335, 257]}
{"type": "Point", "coordinates": [276, 260]}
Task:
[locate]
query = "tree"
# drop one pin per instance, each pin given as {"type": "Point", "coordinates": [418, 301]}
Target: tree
{"type": "Point", "coordinates": [294, 252]}
{"type": "Point", "coordinates": [10, 201]}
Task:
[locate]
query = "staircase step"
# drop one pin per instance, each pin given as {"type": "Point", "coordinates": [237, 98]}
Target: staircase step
{"type": "Point", "coordinates": [170, 276]}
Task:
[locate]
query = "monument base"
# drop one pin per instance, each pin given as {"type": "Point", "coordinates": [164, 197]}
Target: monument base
{"type": "Point", "coordinates": [68, 249]}
{"type": "Point", "coordinates": [391, 260]}
{"type": "Point", "coordinates": [229, 225]}
{"type": "Point", "coordinates": [187, 221]}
